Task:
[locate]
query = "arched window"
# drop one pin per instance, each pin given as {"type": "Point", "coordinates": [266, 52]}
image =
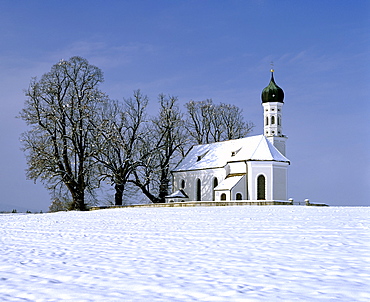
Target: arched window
{"type": "Point", "coordinates": [215, 184]}
{"type": "Point", "coordinates": [223, 196]}
{"type": "Point", "coordinates": [199, 190]}
{"type": "Point", "coordinates": [182, 184]}
{"type": "Point", "coordinates": [279, 120]}
{"type": "Point", "coordinates": [261, 187]}
{"type": "Point", "coordinates": [239, 196]}
{"type": "Point", "coordinates": [267, 120]}
{"type": "Point", "coordinates": [272, 120]}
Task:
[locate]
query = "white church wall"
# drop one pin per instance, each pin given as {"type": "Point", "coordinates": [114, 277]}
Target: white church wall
{"type": "Point", "coordinates": [241, 188]}
{"type": "Point", "coordinates": [206, 178]}
{"type": "Point", "coordinates": [256, 168]}
{"type": "Point", "coordinates": [219, 193]}
{"type": "Point", "coordinates": [236, 168]}
{"type": "Point", "coordinates": [275, 174]}
{"type": "Point", "coordinates": [280, 176]}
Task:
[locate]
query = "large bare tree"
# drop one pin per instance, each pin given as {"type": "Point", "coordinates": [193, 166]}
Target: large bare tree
{"type": "Point", "coordinates": [163, 148]}
{"type": "Point", "coordinates": [208, 122]}
{"type": "Point", "coordinates": [120, 135]}
{"type": "Point", "coordinates": [59, 145]}
{"type": "Point", "coordinates": [232, 122]}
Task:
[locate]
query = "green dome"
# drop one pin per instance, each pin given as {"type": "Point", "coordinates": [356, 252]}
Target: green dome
{"type": "Point", "coordinates": [272, 93]}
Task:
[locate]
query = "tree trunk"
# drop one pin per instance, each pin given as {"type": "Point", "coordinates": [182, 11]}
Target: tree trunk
{"type": "Point", "coordinates": [163, 190]}
{"type": "Point", "coordinates": [78, 200]}
{"type": "Point", "coordinates": [118, 196]}
{"type": "Point", "coordinates": [81, 201]}
{"type": "Point", "coordinates": [163, 187]}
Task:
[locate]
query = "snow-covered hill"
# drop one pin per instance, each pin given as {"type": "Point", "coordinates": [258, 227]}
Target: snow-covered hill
{"type": "Point", "coordinates": [246, 253]}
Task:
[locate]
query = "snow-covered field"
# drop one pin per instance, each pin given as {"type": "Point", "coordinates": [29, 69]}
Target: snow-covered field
{"type": "Point", "coordinates": [245, 253]}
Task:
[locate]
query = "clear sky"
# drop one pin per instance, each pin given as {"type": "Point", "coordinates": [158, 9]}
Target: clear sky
{"type": "Point", "coordinates": [207, 49]}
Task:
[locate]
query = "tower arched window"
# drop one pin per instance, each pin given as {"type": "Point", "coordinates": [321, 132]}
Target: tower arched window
{"type": "Point", "coordinates": [261, 187]}
{"type": "Point", "coordinates": [267, 120]}
{"type": "Point", "coordinates": [198, 190]}
{"type": "Point", "coordinates": [272, 120]}
{"type": "Point", "coordinates": [279, 120]}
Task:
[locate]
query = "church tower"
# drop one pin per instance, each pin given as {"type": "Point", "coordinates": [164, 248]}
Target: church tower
{"type": "Point", "coordinates": [272, 102]}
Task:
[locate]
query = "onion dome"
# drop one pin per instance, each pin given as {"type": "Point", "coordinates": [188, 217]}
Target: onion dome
{"type": "Point", "coordinates": [272, 93]}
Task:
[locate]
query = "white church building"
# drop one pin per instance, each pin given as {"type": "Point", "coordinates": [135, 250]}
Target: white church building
{"type": "Point", "coordinates": [253, 168]}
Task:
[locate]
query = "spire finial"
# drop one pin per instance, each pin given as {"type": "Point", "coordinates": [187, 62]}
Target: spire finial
{"type": "Point", "coordinates": [272, 66]}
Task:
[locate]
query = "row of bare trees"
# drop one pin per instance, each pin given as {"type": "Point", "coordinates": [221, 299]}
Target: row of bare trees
{"type": "Point", "coordinates": [79, 138]}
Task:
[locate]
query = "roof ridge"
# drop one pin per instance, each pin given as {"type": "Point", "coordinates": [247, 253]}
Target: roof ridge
{"type": "Point", "coordinates": [258, 145]}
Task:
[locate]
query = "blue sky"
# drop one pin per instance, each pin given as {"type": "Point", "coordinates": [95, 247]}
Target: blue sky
{"type": "Point", "coordinates": [207, 49]}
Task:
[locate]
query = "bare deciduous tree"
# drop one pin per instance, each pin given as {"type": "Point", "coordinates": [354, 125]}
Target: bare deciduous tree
{"type": "Point", "coordinates": [162, 150]}
{"type": "Point", "coordinates": [232, 122]}
{"type": "Point", "coordinates": [119, 139]}
{"type": "Point", "coordinates": [78, 137]}
{"type": "Point", "coordinates": [207, 122]}
{"type": "Point", "coordinates": [59, 109]}
{"type": "Point", "coordinates": [198, 124]}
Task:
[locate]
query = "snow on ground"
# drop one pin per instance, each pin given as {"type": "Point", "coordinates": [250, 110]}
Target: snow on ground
{"type": "Point", "coordinates": [240, 253]}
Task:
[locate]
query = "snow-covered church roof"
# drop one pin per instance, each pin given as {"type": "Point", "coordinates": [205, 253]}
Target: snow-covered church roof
{"type": "Point", "coordinates": [178, 194]}
{"type": "Point", "coordinates": [217, 155]}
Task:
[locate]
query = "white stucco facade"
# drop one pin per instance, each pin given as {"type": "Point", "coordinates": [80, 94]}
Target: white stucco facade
{"type": "Point", "coordinates": [213, 172]}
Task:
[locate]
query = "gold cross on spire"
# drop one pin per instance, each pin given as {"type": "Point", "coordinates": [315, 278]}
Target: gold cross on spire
{"type": "Point", "coordinates": [272, 66]}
